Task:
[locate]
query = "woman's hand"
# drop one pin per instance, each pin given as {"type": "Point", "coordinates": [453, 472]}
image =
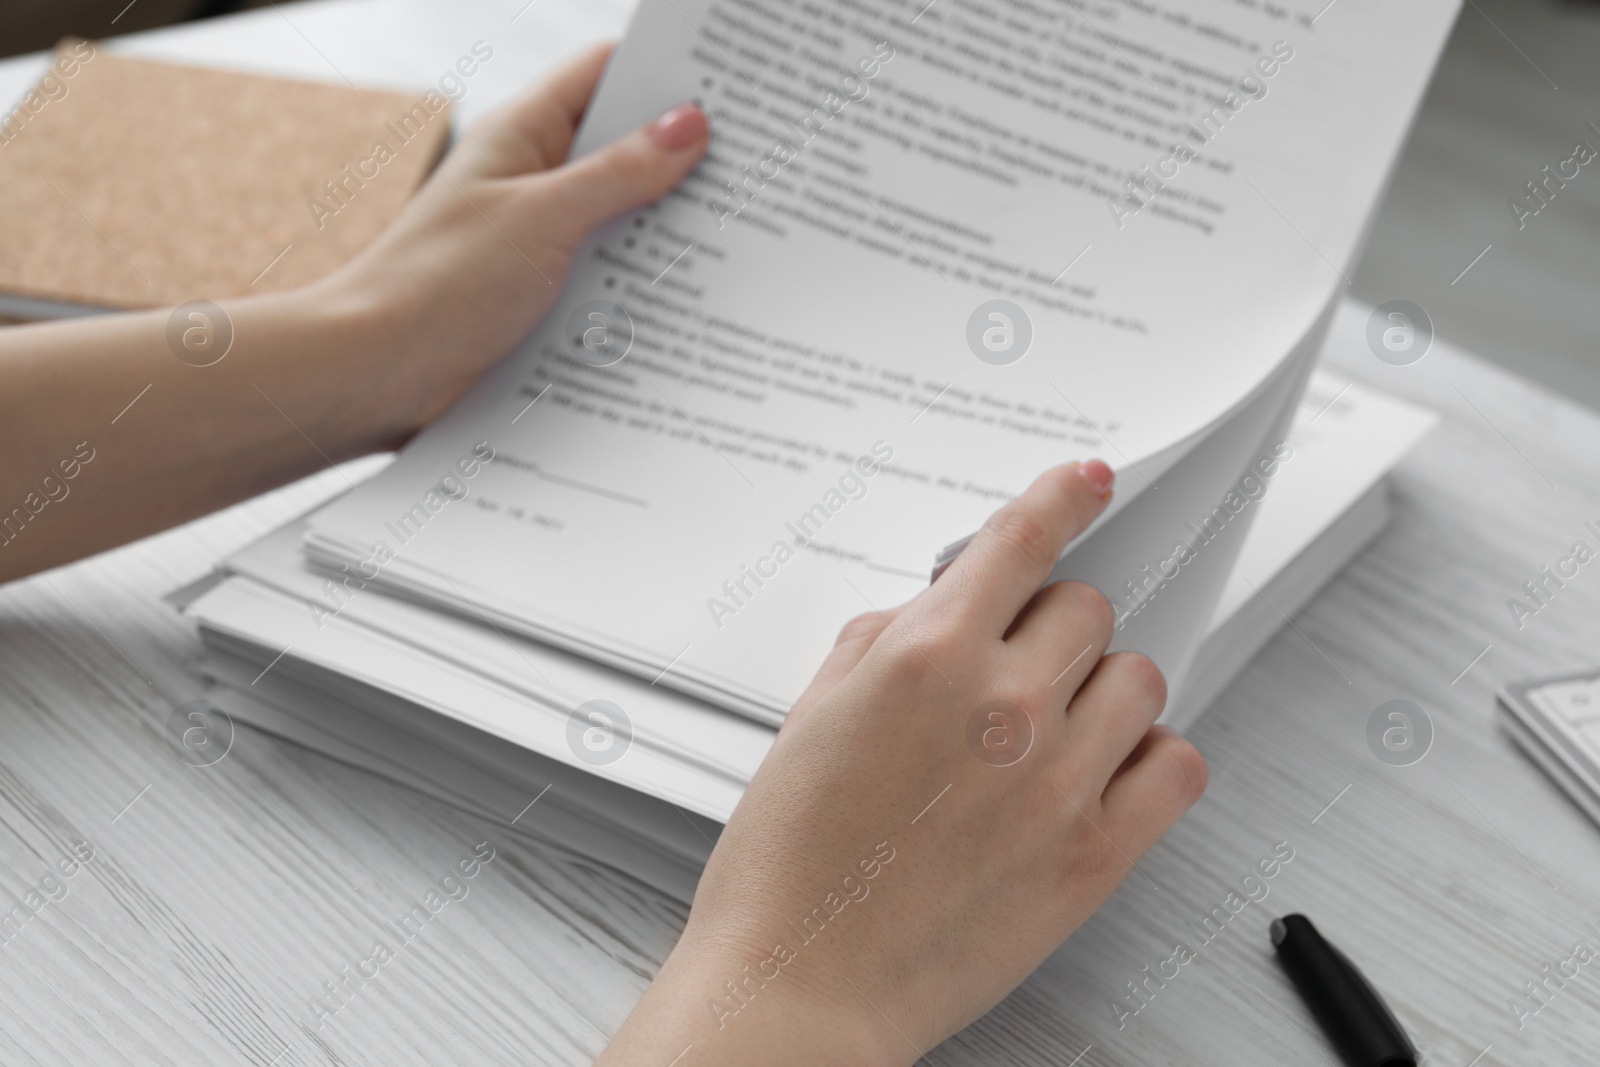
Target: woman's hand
{"type": "Point", "coordinates": [357, 362]}
{"type": "Point", "coordinates": [966, 780]}
{"type": "Point", "coordinates": [481, 252]}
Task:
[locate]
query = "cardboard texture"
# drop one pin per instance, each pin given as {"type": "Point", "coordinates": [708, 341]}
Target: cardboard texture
{"type": "Point", "coordinates": [131, 183]}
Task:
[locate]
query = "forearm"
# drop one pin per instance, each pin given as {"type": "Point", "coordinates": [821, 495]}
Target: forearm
{"type": "Point", "coordinates": [109, 436]}
{"type": "Point", "coordinates": [356, 363]}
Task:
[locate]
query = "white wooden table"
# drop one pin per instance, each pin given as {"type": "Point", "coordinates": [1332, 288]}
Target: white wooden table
{"type": "Point", "coordinates": [219, 900]}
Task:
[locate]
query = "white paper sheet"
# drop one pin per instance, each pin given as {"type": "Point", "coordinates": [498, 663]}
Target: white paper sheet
{"type": "Point", "coordinates": [699, 511]}
{"type": "Point", "coordinates": [385, 652]}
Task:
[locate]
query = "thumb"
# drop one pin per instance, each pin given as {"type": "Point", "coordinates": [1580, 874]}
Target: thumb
{"type": "Point", "coordinates": [636, 169]}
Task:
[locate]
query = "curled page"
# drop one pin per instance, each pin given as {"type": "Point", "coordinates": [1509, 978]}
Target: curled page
{"type": "Point", "coordinates": [934, 249]}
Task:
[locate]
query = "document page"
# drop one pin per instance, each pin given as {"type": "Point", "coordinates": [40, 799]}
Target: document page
{"type": "Point", "coordinates": [1344, 440]}
{"type": "Point", "coordinates": [934, 249]}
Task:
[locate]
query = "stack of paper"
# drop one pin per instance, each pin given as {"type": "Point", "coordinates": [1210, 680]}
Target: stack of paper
{"type": "Point", "coordinates": [1556, 721]}
{"type": "Point", "coordinates": [483, 718]}
{"type": "Point", "coordinates": [926, 258]}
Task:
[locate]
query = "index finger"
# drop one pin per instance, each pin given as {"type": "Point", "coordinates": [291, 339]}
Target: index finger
{"type": "Point", "coordinates": [1009, 559]}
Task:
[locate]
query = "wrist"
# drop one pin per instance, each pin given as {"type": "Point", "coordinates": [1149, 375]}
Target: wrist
{"type": "Point", "coordinates": [742, 1008]}
{"type": "Point", "coordinates": [359, 341]}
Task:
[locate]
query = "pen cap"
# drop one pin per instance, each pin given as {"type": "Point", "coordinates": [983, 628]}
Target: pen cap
{"type": "Point", "coordinates": [1351, 1012]}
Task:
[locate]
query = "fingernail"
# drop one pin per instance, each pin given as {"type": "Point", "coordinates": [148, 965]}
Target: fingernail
{"type": "Point", "coordinates": [1098, 475]}
{"type": "Point", "coordinates": [678, 128]}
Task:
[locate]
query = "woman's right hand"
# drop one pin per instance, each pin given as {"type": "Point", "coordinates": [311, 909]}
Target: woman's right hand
{"type": "Point", "coordinates": [966, 780]}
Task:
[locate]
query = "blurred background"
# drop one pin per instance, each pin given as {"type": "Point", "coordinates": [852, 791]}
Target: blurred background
{"type": "Point", "coordinates": [29, 25]}
{"type": "Point", "coordinates": [1517, 89]}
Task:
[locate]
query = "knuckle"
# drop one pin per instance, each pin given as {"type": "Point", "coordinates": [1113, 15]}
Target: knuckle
{"type": "Point", "coordinates": [1025, 701]}
{"type": "Point", "coordinates": [549, 196]}
{"type": "Point", "coordinates": [941, 643]}
{"type": "Point", "coordinates": [1109, 861]}
{"type": "Point", "coordinates": [914, 645]}
{"type": "Point", "coordinates": [628, 160]}
{"type": "Point", "coordinates": [1026, 690]}
{"type": "Point", "coordinates": [642, 171]}
{"type": "Point", "coordinates": [1024, 534]}
{"type": "Point", "coordinates": [1090, 604]}
{"type": "Point", "coordinates": [1086, 853]}
{"type": "Point", "coordinates": [863, 628]}
{"type": "Point", "coordinates": [1093, 858]}
{"type": "Point", "coordinates": [1063, 480]}
{"type": "Point", "coordinates": [1184, 764]}
{"type": "Point", "coordinates": [1142, 674]}
{"type": "Point", "coordinates": [645, 168]}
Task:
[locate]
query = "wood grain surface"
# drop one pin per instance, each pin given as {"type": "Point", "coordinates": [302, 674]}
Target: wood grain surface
{"type": "Point", "coordinates": [218, 902]}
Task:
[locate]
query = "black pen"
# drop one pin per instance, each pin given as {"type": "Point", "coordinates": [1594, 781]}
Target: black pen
{"type": "Point", "coordinates": [1351, 1012]}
